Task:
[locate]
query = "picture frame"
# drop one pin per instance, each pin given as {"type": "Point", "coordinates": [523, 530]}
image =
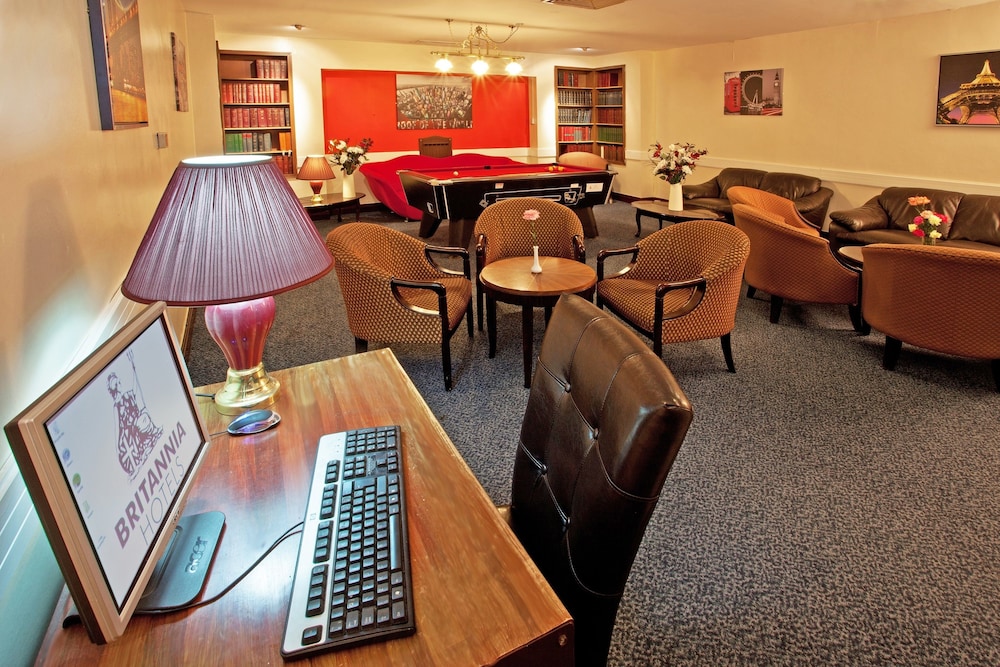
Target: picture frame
{"type": "Point", "coordinates": [179, 58]}
{"type": "Point", "coordinates": [958, 74]}
{"type": "Point", "coordinates": [118, 67]}
{"type": "Point", "coordinates": [758, 92]}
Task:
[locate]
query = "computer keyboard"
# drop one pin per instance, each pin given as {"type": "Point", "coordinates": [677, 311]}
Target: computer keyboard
{"type": "Point", "coordinates": [352, 581]}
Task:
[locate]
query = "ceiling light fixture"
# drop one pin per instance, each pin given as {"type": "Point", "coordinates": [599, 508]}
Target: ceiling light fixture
{"type": "Point", "coordinates": [479, 46]}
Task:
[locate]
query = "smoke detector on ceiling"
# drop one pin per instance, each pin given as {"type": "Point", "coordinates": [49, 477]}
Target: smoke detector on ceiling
{"type": "Point", "coordinates": [583, 4]}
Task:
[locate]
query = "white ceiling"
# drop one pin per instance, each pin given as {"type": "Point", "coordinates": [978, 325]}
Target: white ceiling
{"type": "Point", "coordinates": [553, 28]}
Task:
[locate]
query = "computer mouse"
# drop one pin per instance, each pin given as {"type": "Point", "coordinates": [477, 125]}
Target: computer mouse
{"type": "Point", "coordinates": [253, 421]}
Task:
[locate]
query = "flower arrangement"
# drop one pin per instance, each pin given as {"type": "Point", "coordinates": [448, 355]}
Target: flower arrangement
{"type": "Point", "coordinates": [531, 215]}
{"type": "Point", "coordinates": [927, 224]}
{"type": "Point", "coordinates": [675, 162]}
{"type": "Point", "coordinates": [347, 157]}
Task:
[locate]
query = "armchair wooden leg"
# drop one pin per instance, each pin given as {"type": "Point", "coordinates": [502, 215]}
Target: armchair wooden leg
{"type": "Point", "coordinates": [479, 304]}
{"type": "Point", "coordinates": [468, 316]}
{"type": "Point", "coordinates": [858, 320]}
{"type": "Point", "coordinates": [446, 362]}
{"type": "Point", "coordinates": [776, 303]}
{"type": "Point", "coordinates": [891, 355]}
{"type": "Point", "coordinates": [751, 290]}
{"type": "Point", "coordinates": [995, 365]}
{"type": "Point", "coordinates": [727, 352]}
{"type": "Point", "coordinates": [360, 345]}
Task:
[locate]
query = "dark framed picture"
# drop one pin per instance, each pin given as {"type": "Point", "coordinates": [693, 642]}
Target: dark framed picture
{"type": "Point", "coordinates": [121, 83]}
{"type": "Point", "coordinates": [756, 92]}
{"type": "Point", "coordinates": [968, 90]}
{"type": "Point", "coordinates": [180, 72]}
{"type": "Point", "coordinates": [433, 102]}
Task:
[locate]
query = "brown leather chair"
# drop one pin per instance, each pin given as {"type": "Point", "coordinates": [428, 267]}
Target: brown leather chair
{"type": "Point", "coordinates": [604, 422]}
{"type": "Point", "coordinates": [794, 263]}
{"type": "Point", "coordinates": [938, 298]}
{"type": "Point", "coordinates": [395, 292]}
{"type": "Point", "coordinates": [434, 146]}
{"type": "Point", "coordinates": [501, 231]}
{"type": "Point", "coordinates": [682, 284]}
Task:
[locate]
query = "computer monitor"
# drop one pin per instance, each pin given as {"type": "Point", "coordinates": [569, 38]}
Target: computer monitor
{"type": "Point", "coordinates": [108, 455]}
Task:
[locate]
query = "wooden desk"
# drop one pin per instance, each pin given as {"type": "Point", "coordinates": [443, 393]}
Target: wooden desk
{"type": "Point", "coordinates": [510, 280]}
{"type": "Point", "coordinates": [478, 598]}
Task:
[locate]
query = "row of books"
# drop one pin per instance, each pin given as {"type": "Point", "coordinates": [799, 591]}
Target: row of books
{"type": "Point", "coordinates": [612, 134]}
{"type": "Point", "coordinates": [575, 79]}
{"type": "Point", "coordinates": [609, 97]}
{"type": "Point", "coordinates": [234, 117]}
{"type": "Point", "coordinates": [572, 148]}
{"type": "Point", "coordinates": [574, 133]}
{"type": "Point", "coordinates": [271, 68]}
{"type": "Point", "coordinates": [606, 79]}
{"type": "Point", "coordinates": [258, 142]}
{"type": "Point", "coordinates": [574, 115]}
{"type": "Point", "coordinates": [247, 92]}
{"type": "Point", "coordinates": [613, 154]}
{"type": "Point", "coordinates": [578, 97]}
{"type": "Point", "coordinates": [611, 115]}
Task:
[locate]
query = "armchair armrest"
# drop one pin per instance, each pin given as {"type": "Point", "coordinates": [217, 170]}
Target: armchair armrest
{"type": "Point", "coordinates": [709, 188]}
{"type": "Point", "coordinates": [579, 249]}
{"type": "Point", "coordinates": [604, 254]}
{"type": "Point", "coordinates": [437, 288]}
{"type": "Point", "coordinates": [431, 250]}
{"type": "Point", "coordinates": [699, 284]}
{"type": "Point", "coordinates": [862, 218]}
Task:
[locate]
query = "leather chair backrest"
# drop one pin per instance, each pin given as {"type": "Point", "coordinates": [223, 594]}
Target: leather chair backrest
{"type": "Point", "coordinates": [731, 176]}
{"type": "Point", "coordinates": [604, 421]}
{"type": "Point", "coordinates": [790, 186]}
{"type": "Point", "coordinates": [434, 146]}
{"type": "Point", "coordinates": [894, 201]}
{"type": "Point", "coordinates": [977, 219]}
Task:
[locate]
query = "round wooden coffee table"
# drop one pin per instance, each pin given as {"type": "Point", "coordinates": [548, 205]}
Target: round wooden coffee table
{"type": "Point", "coordinates": [511, 281]}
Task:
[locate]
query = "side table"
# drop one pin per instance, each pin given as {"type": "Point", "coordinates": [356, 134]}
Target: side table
{"type": "Point", "coordinates": [851, 256]}
{"type": "Point", "coordinates": [332, 202]}
{"type": "Point", "coordinates": [511, 281]}
{"type": "Point", "coordinates": [659, 209]}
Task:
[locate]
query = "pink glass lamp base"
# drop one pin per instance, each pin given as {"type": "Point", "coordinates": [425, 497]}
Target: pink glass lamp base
{"type": "Point", "coordinates": [241, 329]}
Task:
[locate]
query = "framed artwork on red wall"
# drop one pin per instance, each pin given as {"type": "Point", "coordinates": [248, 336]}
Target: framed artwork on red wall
{"type": "Point", "coordinates": [430, 102]}
{"type": "Point", "coordinates": [365, 103]}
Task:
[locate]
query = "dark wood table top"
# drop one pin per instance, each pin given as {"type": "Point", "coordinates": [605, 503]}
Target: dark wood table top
{"type": "Point", "coordinates": [478, 597]}
{"type": "Point", "coordinates": [512, 276]}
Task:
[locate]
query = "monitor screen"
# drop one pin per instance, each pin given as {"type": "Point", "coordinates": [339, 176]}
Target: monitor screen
{"type": "Point", "coordinates": [108, 455]}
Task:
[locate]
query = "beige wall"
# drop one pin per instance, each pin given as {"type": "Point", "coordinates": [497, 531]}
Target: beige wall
{"type": "Point", "coordinates": [76, 199]}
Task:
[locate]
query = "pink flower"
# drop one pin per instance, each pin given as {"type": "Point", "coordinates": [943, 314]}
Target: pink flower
{"type": "Point", "coordinates": [531, 214]}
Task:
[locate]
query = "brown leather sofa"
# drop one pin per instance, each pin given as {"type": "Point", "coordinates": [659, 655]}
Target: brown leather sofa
{"type": "Point", "coordinates": [807, 192]}
{"type": "Point", "coordinates": [975, 219]}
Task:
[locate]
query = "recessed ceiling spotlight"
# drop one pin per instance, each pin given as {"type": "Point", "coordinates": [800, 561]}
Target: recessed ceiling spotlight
{"type": "Point", "coordinates": [298, 26]}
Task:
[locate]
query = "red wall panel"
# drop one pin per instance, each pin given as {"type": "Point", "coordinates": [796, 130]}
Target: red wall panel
{"type": "Point", "coordinates": [362, 103]}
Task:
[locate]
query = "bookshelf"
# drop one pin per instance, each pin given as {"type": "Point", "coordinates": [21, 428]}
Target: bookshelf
{"type": "Point", "coordinates": [590, 111]}
{"type": "Point", "coordinates": [255, 89]}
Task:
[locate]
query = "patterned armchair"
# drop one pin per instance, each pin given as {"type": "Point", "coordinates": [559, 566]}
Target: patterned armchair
{"type": "Point", "coordinates": [906, 295]}
{"type": "Point", "coordinates": [794, 263]}
{"type": "Point", "coordinates": [682, 284]}
{"type": "Point", "coordinates": [395, 292]}
{"type": "Point", "coordinates": [501, 231]}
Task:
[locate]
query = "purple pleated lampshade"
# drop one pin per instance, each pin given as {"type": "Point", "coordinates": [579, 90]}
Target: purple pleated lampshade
{"type": "Point", "coordinates": [228, 228]}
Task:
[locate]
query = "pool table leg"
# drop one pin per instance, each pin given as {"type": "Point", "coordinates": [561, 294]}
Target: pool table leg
{"type": "Point", "coordinates": [428, 225]}
{"type": "Point", "coordinates": [586, 215]}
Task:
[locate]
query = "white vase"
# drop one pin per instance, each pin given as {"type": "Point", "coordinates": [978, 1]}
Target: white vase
{"type": "Point", "coordinates": [676, 202]}
{"type": "Point", "coordinates": [536, 267]}
{"type": "Point", "coordinates": [348, 185]}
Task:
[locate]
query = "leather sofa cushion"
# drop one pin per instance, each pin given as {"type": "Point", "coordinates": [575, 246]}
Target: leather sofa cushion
{"type": "Point", "coordinates": [977, 219]}
{"type": "Point", "coordinates": [789, 186]}
{"type": "Point", "coordinates": [731, 176]}
{"type": "Point", "coordinates": [894, 201]}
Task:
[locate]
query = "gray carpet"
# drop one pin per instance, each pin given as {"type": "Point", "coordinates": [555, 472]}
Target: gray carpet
{"type": "Point", "coordinates": [822, 510]}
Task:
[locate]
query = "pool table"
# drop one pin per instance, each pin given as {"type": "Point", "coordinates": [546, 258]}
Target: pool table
{"type": "Point", "coordinates": [459, 195]}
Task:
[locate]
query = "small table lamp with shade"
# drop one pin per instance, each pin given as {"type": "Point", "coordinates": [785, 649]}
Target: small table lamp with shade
{"type": "Point", "coordinates": [228, 234]}
{"type": "Point", "coordinates": [316, 169]}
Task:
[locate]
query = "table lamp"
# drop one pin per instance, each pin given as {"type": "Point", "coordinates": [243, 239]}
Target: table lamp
{"type": "Point", "coordinates": [228, 234]}
{"type": "Point", "coordinates": [316, 169]}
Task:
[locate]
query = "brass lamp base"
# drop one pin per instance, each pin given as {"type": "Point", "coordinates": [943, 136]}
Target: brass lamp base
{"type": "Point", "coordinates": [245, 390]}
